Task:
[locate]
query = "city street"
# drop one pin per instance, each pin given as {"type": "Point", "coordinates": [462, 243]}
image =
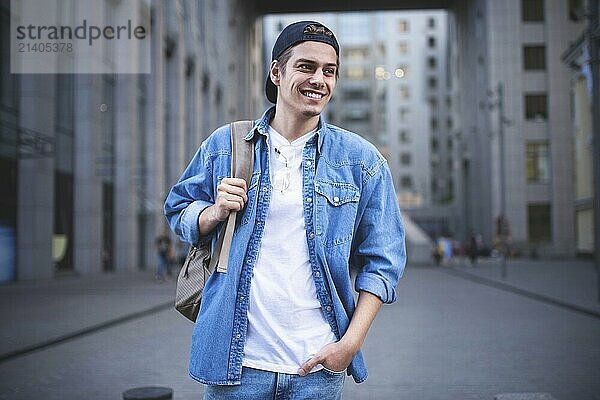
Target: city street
{"type": "Point", "coordinates": [447, 337]}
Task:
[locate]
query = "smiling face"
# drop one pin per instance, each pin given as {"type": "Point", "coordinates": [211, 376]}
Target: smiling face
{"type": "Point", "coordinates": [306, 83]}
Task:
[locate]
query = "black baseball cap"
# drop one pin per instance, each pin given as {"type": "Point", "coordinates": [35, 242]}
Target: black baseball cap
{"type": "Point", "coordinates": [302, 31]}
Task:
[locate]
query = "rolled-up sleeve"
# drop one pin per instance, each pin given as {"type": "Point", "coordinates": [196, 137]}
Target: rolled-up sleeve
{"type": "Point", "coordinates": [189, 197]}
{"type": "Point", "coordinates": [379, 250]}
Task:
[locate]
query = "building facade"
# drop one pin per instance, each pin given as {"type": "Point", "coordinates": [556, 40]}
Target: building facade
{"type": "Point", "coordinates": [519, 156]}
{"type": "Point", "coordinates": [89, 158]}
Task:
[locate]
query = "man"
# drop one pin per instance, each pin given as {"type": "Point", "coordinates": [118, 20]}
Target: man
{"type": "Point", "coordinates": [282, 322]}
{"type": "Point", "coordinates": [163, 247]}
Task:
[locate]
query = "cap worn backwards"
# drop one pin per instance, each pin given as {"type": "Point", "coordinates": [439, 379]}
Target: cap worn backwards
{"type": "Point", "coordinates": [302, 31]}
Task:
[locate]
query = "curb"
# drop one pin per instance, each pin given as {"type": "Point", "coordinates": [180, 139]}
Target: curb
{"type": "Point", "coordinates": [83, 332]}
{"type": "Point", "coordinates": [522, 292]}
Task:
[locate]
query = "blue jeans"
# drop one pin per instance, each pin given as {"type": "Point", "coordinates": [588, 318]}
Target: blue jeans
{"type": "Point", "coordinates": [264, 385]}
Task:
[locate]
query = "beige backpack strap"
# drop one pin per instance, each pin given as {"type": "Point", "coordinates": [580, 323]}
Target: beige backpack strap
{"type": "Point", "coordinates": [242, 163]}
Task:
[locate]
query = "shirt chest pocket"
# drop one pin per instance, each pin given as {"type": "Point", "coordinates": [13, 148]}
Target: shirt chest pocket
{"type": "Point", "coordinates": [336, 207]}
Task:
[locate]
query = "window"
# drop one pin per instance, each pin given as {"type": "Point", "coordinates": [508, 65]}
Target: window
{"type": "Point", "coordinates": [449, 123]}
{"type": "Point", "coordinates": [356, 54]}
{"type": "Point", "coordinates": [431, 22]}
{"type": "Point", "coordinates": [537, 162]}
{"type": "Point", "coordinates": [404, 113]}
{"type": "Point", "coordinates": [404, 92]}
{"type": "Point", "coordinates": [358, 116]}
{"type": "Point", "coordinates": [434, 144]}
{"type": "Point", "coordinates": [532, 10]}
{"type": "Point", "coordinates": [403, 26]}
{"type": "Point", "coordinates": [403, 48]}
{"type": "Point", "coordinates": [431, 42]}
{"type": "Point", "coordinates": [356, 94]}
{"type": "Point", "coordinates": [405, 158]}
{"type": "Point", "coordinates": [356, 73]}
{"type": "Point", "coordinates": [432, 62]}
{"type": "Point", "coordinates": [404, 136]}
{"type": "Point", "coordinates": [534, 58]}
{"type": "Point", "coordinates": [539, 221]}
{"type": "Point", "coordinates": [536, 107]}
{"type": "Point", "coordinates": [432, 82]}
{"type": "Point", "coordinates": [406, 182]}
{"type": "Point", "coordinates": [434, 124]}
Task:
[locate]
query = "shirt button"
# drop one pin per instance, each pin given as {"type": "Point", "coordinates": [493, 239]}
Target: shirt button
{"type": "Point", "coordinates": [317, 274]}
{"type": "Point", "coordinates": [308, 163]}
{"type": "Point", "coordinates": [312, 236]}
{"type": "Point", "coordinates": [309, 199]}
{"type": "Point", "coordinates": [328, 308]}
{"type": "Point", "coordinates": [336, 199]}
{"type": "Point", "coordinates": [241, 298]}
{"type": "Point", "coordinates": [238, 336]}
{"type": "Point", "coordinates": [265, 189]}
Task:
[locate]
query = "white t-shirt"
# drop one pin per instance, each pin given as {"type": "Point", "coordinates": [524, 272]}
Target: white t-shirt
{"type": "Point", "coordinates": [286, 326]}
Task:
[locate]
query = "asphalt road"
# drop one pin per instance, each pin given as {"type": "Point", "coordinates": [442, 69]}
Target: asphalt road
{"type": "Point", "coordinates": [446, 338]}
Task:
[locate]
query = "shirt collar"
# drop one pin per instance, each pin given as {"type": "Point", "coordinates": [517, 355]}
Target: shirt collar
{"type": "Point", "coordinates": [262, 127]}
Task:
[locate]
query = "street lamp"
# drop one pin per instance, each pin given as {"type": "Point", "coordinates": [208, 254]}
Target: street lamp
{"type": "Point", "coordinates": [503, 230]}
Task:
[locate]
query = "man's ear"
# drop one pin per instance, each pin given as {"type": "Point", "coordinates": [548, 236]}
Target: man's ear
{"type": "Point", "coordinates": [274, 72]}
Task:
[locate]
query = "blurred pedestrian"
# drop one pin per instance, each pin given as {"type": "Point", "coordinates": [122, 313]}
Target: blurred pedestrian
{"type": "Point", "coordinates": [438, 251]}
{"type": "Point", "coordinates": [163, 247]}
{"type": "Point", "coordinates": [443, 250]}
{"type": "Point", "coordinates": [473, 249]}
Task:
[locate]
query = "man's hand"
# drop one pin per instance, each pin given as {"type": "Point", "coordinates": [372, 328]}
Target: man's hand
{"type": "Point", "coordinates": [335, 357]}
{"type": "Point", "coordinates": [231, 196]}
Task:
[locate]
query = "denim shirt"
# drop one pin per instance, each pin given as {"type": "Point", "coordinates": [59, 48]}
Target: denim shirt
{"type": "Point", "coordinates": [352, 222]}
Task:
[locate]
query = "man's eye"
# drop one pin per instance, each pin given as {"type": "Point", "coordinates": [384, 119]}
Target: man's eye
{"type": "Point", "coordinates": [304, 66]}
{"type": "Point", "coordinates": [330, 71]}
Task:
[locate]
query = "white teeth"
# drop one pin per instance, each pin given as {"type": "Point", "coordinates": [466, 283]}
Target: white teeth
{"type": "Point", "coordinates": [313, 95]}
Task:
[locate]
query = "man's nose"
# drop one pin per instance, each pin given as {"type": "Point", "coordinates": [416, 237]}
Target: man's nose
{"type": "Point", "coordinates": [317, 78]}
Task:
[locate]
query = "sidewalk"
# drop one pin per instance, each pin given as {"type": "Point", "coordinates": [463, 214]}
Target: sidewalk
{"type": "Point", "coordinates": [570, 282]}
{"type": "Point", "coordinates": [35, 314]}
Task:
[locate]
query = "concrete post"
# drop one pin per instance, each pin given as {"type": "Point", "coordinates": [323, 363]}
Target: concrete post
{"type": "Point", "coordinates": [35, 219]}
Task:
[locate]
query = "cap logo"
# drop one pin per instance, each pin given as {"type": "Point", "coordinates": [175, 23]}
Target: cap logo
{"type": "Point", "coordinates": [314, 29]}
